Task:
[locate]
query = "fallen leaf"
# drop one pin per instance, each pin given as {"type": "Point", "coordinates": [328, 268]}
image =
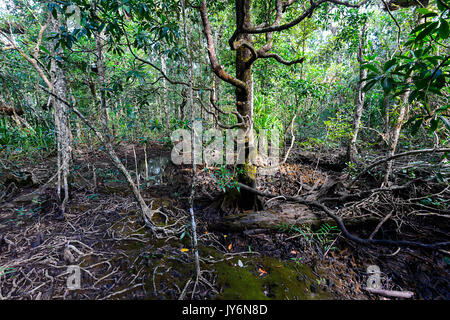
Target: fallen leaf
{"type": "Point", "coordinates": [262, 272]}
{"type": "Point", "coordinates": [184, 250]}
{"type": "Point", "coordinates": [229, 246]}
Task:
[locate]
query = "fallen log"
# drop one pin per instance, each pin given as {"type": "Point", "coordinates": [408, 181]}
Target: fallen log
{"type": "Point", "coordinates": [291, 214]}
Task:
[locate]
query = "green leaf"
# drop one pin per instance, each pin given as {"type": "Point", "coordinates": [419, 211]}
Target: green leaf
{"type": "Point", "coordinates": [389, 64]}
{"type": "Point", "coordinates": [424, 11]}
{"type": "Point", "coordinates": [433, 125]}
{"type": "Point", "coordinates": [443, 109]}
{"type": "Point", "coordinates": [369, 85]}
{"type": "Point", "coordinates": [441, 5]}
{"type": "Point", "coordinates": [387, 84]}
{"type": "Point", "coordinates": [443, 29]}
{"type": "Point", "coordinates": [370, 67]}
{"type": "Point", "coordinates": [431, 14]}
{"type": "Point", "coordinates": [413, 95]}
{"type": "Point", "coordinates": [437, 74]}
{"type": "Point", "coordinates": [421, 84]}
{"type": "Point", "coordinates": [420, 27]}
{"type": "Point", "coordinates": [415, 128]}
{"type": "Point", "coordinates": [425, 32]}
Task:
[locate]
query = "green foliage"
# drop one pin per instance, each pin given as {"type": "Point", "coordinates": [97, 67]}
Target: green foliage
{"type": "Point", "coordinates": [320, 92]}
{"type": "Point", "coordinates": [297, 260]}
{"type": "Point", "coordinates": [6, 270]}
{"type": "Point", "coordinates": [324, 237]}
{"type": "Point", "coordinates": [226, 178]}
{"type": "Point", "coordinates": [264, 117]}
{"type": "Point", "coordinates": [186, 232]}
{"type": "Point", "coordinates": [338, 128]}
{"type": "Point", "coordinates": [421, 70]}
{"type": "Point", "coordinates": [351, 169]}
{"type": "Point", "coordinates": [18, 140]}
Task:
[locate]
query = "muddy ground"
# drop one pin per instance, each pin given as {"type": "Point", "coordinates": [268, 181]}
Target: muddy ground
{"type": "Point", "coordinates": [104, 234]}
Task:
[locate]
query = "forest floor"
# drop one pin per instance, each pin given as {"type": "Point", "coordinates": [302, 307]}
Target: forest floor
{"type": "Point", "coordinates": [104, 233]}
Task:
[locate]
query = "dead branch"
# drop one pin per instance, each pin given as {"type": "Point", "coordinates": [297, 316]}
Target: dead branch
{"type": "Point", "coordinates": [391, 293]}
{"type": "Point", "coordinates": [398, 155]}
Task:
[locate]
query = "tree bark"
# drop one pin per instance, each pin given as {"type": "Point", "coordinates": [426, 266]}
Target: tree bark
{"type": "Point", "coordinates": [290, 214]}
{"type": "Point", "coordinates": [194, 134]}
{"type": "Point", "coordinates": [165, 99]}
{"type": "Point", "coordinates": [351, 151]}
{"type": "Point", "coordinates": [387, 117]}
{"type": "Point", "coordinates": [244, 104]}
{"type": "Point", "coordinates": [62, 125]}
{"type": "Point", "coordinates": [395, 134]}
{"type": "Point", "coordinates": [99, 45]}
{"type": "Point", "coordinates": [216, 81]}
{"type": "Point", "coordinates": [242, 42]}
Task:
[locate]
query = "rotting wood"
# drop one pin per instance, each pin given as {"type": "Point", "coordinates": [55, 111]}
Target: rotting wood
{"type": "Point", "coordinates": [290, 214]}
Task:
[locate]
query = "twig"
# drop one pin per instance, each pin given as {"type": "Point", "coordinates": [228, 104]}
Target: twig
{"type": "Point", "coordinates": [380, 224]}
{"type": "Point", "coordinates": [122, 291]}
{"type": "Point", "coordinates": [183, 293]}
{"type": "Point", "coordinates": [398, 155]}
{"type": "Point", "coordinates": [391, 293]}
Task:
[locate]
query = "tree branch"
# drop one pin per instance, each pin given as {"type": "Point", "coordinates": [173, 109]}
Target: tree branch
{"type": "Point", "coordinates": [280, 59]}
{"type": "Point", "coordinates": [300, 18]}
{"type": "Point", "coordinates": [216, 67]}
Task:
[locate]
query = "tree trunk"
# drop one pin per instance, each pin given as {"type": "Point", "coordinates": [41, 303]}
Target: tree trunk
{"type": "Point", "coordinates": [395, 134]}
{"type": "Point", "coordinates": [99, 45]}
{"type": "Point", "coordinates": [351, 152]}
{"type": "Point", "coordinates": [105, 137]}
{"type": "Point", "coordinates": [387, 117]}
{"type": "Point", "coordinates": [244, 102]}
{"type": "Point", "coordinates": [216, 81]}
{"type": "Point", "coordinates": [64, 142]}
{"type": "Point", "coordinates": [166, 94]}
{"type": "Point", "coordinates": [194, 134]}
